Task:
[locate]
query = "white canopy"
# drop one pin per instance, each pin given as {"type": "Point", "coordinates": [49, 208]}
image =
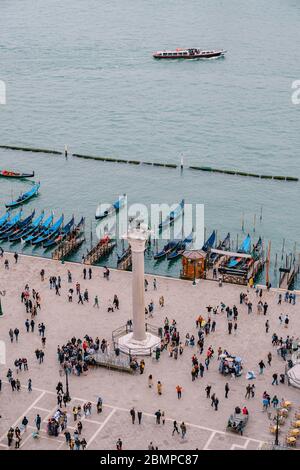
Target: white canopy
{"type": "Point", "coordinates": [231, 254]}
{"type": "Point", "coordinates": [294, 376]}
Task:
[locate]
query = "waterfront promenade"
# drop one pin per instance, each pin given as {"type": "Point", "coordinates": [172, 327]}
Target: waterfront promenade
{"type": "Point", "coordinates": [120, 391]}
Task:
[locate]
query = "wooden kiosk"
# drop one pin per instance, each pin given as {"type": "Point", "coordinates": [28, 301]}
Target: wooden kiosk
{"type": "Point", "coordinates": [193, 265]}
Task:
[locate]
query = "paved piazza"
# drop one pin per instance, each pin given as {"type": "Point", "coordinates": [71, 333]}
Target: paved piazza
{"type": "Point", "coordinates": [121, 391]}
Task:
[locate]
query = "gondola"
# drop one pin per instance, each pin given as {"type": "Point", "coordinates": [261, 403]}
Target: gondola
{"type": "Point", "coordinates": [209, 242]}
{"type": "Point", "coordinates": [27, 230]}
{"type": "Point", "coordinates": [180, 248]}
{"type": "Point", "coordinates": [49, 233]}
{"type": "Point", "coordinates": [4, 218]}
{"type": "Point", "coordinates": [168, 248]}
{"type": "Point", "coordinates": [223, 245]}
{"type": "Point", "coordinates": [57, 238]}
{"type": "Point", "coordinates": [18, 227]}
{"type": "Point", "coordinates": [169, 220]}
{"type": "Point", "coordinates": [11, 223]}
{"type": "Point", "coordinates": [257, 249]}
{"type": "Point", "coordinates": [80, 226]}
{"type": "Point", "coordinates": [15, 174]}
{"type": "Point", "coordinates": [244, 248]}
{"type": "Point", "coordinates": [53, 230]}
{"type": "Point", "coordinates": [77, 230]}
{"type": "Point", "coordinates": [115, 207]}
{"type": "Point", "coordinates": [25, 196]}
{"type": "Point", "coordinates": [39, 230]}
{"type": "Point", "coordinates": [126, 252]}
{"type": "Point", "coordinates": [255, 255]}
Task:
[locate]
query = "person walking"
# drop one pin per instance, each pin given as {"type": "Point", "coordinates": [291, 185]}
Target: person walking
{"type": "Point", "coordinates": [18, 438]}
{"type": "Point", "coordinates": [11, 335]}
{"type": "Point", "coordinates": [213, 397]}
{"type": "Point", "coordinates": [29, 385]}
{"type": "Point", "coordinates": [41, 356]}
{"type": "Point", "coordinates": [13, 384]}
{"type": "Point", "coordinates": [208, 389]}
{"type": "Point", "coordinates": [275, 379]}
{"type": "Point", "coordinates": [38, 421]}
{"type": "Point", "coordinates": [86, 295]}
{"type": "Point", "coordinates": [175, 428]}
{"type": "Point", "coordinates": [59, 399]}
{"type": "Point", "coordinates": [267, 326]}
{"type": "Point", "coordinates": [158, 416]}
{"type": "Point", "coordinates": [75, 413]}
{"type": "Point", "coordinates": [10, 436]}
{"type": "Point", "coordinates": [96, 302]}
{"type": "Point", "coordinates": [67, 437]}
{"type": "Point", "coordinates": [275, 401]}
{"type": "Point", "coordinates": [99, 405]}
{"type": "Point", "coordinates": [57, 289]}
{"type": "Point", "coordinates": [216, 403]}
{"type": "Point", "coordinates": [183, 430]}
{"type": "Point", "coordinates": [179, 391]}
{"type": "Point", "coordinates": [248, 391]}
{"type": "Point", "coordinates": [139, 415]}
{"type": "Point", "coordinates": [16, 333]}
{"type": "Point", "coordinates": [262, 366]}
{"type": "Point", "coordinates": [24, 423]}
{"type": "Point", "coordinates": [79, 427]}
{"type": "Point", "coordinates": [159, 388]}
{"type": "Point", "coordinates": [132, 414]}
{"type": "Point", "coordinates": [269, 358]}
{"type": "Point", "coordinates": [226, 390]}
{"type": "Point", "coordinates": [119, 444]}
{"type": "Point", "coordinates": [286, 321]}
{"type": "Point", "coordinates": [116, 302]}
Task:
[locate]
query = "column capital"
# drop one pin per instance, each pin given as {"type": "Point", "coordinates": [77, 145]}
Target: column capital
{"type": "Point", "coordinates": [137, 238]}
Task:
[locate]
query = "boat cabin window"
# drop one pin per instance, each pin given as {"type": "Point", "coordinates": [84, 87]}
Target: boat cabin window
{"type": "Point", "coordinates": [165, 53]}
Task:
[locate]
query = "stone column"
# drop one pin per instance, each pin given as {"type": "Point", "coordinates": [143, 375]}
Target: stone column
{"type": "Point", "coordinates": [137, 239]}
{"type": "Point", "coordinates": [139, 341]}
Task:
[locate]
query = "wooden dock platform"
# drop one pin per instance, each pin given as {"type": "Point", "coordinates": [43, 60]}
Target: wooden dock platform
{"type": "Point", "coordinates": [98, 251]}
{"type": "Point", "coordinates": [125, 261]}
{"type": "Point", "coordinates": [67, 247]}
{"type": "Point", "coordinates": [288, 276]}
